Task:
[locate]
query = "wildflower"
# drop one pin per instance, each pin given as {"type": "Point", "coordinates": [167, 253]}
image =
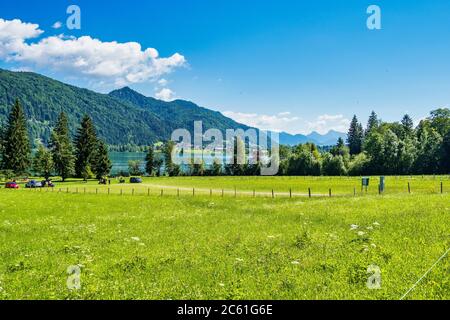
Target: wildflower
{"type": "Point", "coordinates": [239, 260]}
{"type": "Point", "coordinates": [369, 228]}
{"type": "Point", "coordinates": [373, 245]}
{"type": "Point", "coordinates": [354, 227]}
{"type": "Point", "coordinates": [135, 239]}
{"type": "Point", "coordinates": [361, 233]}
{"type": "Point", "coordinates": [376, 224]}
{"type": "Point", "coordinates": [295, 262]}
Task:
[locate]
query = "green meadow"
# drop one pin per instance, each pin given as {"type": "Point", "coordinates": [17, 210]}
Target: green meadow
{"type": "Point", "coordinates": [198, 246]}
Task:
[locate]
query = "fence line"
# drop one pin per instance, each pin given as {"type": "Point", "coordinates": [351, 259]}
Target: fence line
{"type": "Point", "coordinates": [409, 189]}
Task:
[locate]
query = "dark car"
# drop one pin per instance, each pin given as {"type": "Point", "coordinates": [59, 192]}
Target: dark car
{"type": "Point", "coordinates": [48, 183]}
{"type": "Point", "coordinates": [135, 180]}
{"type": "Point", "coordinates": [11, 185]}
{"type": "Point", "coordinates": [33, 184]}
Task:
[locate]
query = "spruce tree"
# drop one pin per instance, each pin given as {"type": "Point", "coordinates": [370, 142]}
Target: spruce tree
{"type": "Point", "coordinates": [373, 123]}
{"type": "Point", "coordinates": [85, 144]}
{"type": "Point", "coordinates": [62, 148]}
{"type": "Point", "coordinates": [408, 126]}
{"type": "Point", "coordinates": [355, 136]}
{"type": "Point", "coordinates": [102, 164]}
{"type": "Point", "coordinates": [16, 144]}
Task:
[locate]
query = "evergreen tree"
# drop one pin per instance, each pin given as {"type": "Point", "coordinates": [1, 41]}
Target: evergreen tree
{"type": "Point", "coordinates": [373, 123]}
{"type": "Point", "coordinates": [62, 148]}
{"type": "Point", "coordinates": [407, 126]}
{"type": "Point", "coordinates": [150, 161]}
{"type": "Point", "coordinates": [43, 162]}
{"type": "Point", "coordinates": [102, 166]}
{"type": "Point", "coordinates": [355, 136]}
{"type": "Point", "coordinates": [16, 145]}
{"type": "Point", "coordinates": [85, 143]}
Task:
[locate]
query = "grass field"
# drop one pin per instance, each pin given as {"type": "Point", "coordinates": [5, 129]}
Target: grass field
{"type": "Point", "coordinates": [206, 247]}
{"type": "Point", "coordinates": [262, 186]}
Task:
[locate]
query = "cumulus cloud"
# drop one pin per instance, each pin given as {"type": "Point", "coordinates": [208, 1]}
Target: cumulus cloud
{"type": "Point", "coordinates": [107, 63]}
{"type": "Point", "coordinates": [165, 94]}
{"type": "Point", "coordinates": [286, 122]}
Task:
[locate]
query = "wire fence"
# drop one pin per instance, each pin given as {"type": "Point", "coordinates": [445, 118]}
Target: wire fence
{"type": "Point", "coordinates": [290, 193]}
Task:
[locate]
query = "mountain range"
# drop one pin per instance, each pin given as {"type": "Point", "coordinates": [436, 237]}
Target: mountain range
{"type": "Point", "coordinates": [121, 117]}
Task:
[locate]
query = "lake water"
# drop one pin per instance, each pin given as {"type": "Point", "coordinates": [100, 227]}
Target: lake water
{"type": "Point", "coordinates": [120, 161]}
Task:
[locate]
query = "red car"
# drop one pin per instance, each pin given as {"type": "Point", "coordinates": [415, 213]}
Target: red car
{"type": "Point", "coordinates": [11, 185]}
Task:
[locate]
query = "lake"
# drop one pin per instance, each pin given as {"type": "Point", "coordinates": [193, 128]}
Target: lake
{"type": "Point", "coordinates": [120, 161]}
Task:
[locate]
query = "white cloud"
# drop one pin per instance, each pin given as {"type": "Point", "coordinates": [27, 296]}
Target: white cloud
{"type": "Point", "coordinates": [57, 25]}
{"type": "Point", "coordinates": [165, 94]}
{"type": "Point", "coordinates": [286, 122]}
{"type": "Point", "coordinates": [100, 63]}
{"type": "Point", "coordinates": [163, 82]}
{"type": "Point", "coordinates": [325, 123]}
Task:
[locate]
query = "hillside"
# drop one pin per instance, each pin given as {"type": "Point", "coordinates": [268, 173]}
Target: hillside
{"type": "Point", "coordinates": [129, 118]}
{"type": "Point", "coordinates": [178, 113]}
{"type": "Point", "coordinates": [121, 117]}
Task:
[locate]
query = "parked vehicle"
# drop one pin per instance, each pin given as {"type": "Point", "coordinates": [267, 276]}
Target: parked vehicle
{"type": "Point", "coordinates": [11, 185]}
{"type": "Point", "coordinates": [33, 184]}
{"type": "Point", "coordinates": [135, 180]}
{"type": "Point", "coordinates": [48, 184]}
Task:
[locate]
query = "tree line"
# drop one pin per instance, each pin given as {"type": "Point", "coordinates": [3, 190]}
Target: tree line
{"type": "Point", "coordinates": [396, 148]}
{"type": "Point", "coordinates": [84, 157]}
{"type": "Point", "coordinates": [381, 148]}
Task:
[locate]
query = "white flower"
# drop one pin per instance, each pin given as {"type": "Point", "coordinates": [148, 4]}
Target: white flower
{"type": "Point", "coordinates": [369, 228]}
{"type": "Point", "coordinates": [376, 224]}
{"type": "Point", "coordinates": [373, 245]}
{"type": "Point", "coordinates": [295, 262]}
{"type": "Point", "coordinates": [135, 239]}
{"type": "Point", "coordinates": [239, 260]}
{"type": "Point", "coordinates": [361, 233]}
{"type": "Point", "coordinates": [354, 227]}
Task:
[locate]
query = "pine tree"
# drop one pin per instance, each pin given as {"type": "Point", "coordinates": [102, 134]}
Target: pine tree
{"type": "Point", "coordinates": [16, 145]}
{"type": "Point", "coordinates": [355, 136]}
{"type": "Point", "coordinates": [62, 148]}
{"type": "Point", "coordinates": [102, 164]}
{"type": "Point", "coordinates": [373, 123]}
{"type": "Point", "coordinates": [43, 162]}
{"type": "Point", "coordinates": [150, 161]}
{"type": "Point", "coordinates": [85, 143]}
{"type": "Point", "coordinates": [408, 126]}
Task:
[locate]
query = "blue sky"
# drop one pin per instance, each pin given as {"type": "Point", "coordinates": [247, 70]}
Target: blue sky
{"type": "Point", "coordinates": [296, 65]}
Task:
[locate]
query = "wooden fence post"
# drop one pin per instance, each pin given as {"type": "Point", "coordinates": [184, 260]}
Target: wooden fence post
{"type": "Point", "coordinates": [290, 193]}
{"type": "Point", "coordinates": [273, 194]}
{"type": "Point", "coordinates": [409, 187]}
{"type": "Point", "coordinates": [330, 192]}
{"type": "Point", "coordinates": [309, 192]}
{"type": "Point", "coordinates": [442, 187]}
